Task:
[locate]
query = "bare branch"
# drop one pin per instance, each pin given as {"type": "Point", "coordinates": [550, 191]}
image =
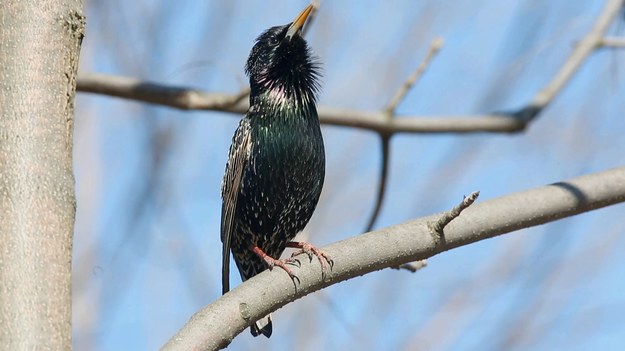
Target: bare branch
{"type": "Point", "coordinates": [178, 97]}
{"type": "Point", "coordinates": [508, 122]}
{"type": "Point", "coordinates": [437, 226]}
{"type": "Point", "coordinates": [613, 42]}
{"type": "Point", "coordinates": [385, 137]}
{"type": "Point", "coordinates": [385, 143]}
{"type": "Point", "coordinates": [435, 47]}
{"type": "Point", "coordinates": [584, 48]}
{"type": "Point", "coordinates": [217, 324]}
{"type": "Point", "coordinates": [192, 99]}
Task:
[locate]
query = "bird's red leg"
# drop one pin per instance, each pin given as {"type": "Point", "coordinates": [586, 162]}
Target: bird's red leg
{"type": "Point", "coordinates": [271, 262]}
{"type": "Point", "coordinates": [310, 250]}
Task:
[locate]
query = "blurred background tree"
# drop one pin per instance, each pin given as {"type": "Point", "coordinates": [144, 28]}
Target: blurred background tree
{"type": "Point", "coordinates": [147, 249]}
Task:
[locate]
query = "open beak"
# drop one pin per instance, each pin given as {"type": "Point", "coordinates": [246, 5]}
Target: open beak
{"type": "Point", "coordinates": [299, 21]}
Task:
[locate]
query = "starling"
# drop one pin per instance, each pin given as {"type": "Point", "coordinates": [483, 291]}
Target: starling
{"type": "Point", "coordinates": [276, 163]}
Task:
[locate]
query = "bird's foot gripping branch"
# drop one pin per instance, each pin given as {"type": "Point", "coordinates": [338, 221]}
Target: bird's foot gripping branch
{"type": "Point", "coordinates": [325, 260]}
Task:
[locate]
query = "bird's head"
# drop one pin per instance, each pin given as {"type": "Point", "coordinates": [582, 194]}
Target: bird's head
{"type": "Point", "coordinates": [280, 62]}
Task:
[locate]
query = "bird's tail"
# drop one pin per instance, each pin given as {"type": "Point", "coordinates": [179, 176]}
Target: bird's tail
{"type": "Point", "coordinates": [262, 326]}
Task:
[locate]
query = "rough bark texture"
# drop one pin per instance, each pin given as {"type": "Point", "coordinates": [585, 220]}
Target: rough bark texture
{"type": "Point", "coordinates": [39, 49]}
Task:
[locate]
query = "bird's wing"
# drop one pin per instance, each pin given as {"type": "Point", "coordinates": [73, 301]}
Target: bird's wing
{"type": "Point", "coordinates": [230, 186]}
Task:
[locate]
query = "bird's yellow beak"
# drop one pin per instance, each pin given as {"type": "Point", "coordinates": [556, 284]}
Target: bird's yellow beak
{"type": "Point", "coordinates": [299, 21]}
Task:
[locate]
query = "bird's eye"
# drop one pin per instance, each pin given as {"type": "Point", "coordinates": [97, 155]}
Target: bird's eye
{"type": "Point", "coordinates": [274, 41]}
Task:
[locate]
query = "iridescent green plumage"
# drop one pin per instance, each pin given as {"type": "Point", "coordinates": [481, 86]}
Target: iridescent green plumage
{"type": "Point", "coordinates": [276, 165]}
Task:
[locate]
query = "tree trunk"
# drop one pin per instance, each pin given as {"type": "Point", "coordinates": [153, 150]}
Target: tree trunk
{"type": "Point", "coordinates": [39, 49]}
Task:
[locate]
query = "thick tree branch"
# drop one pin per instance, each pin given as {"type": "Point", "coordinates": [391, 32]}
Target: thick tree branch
{"type": "Point", "coordinates": [177, 97]}
{"type": "Point", "coordinates": [191, 99]}
{"type": "Point", "coordinates": [508, 122]}
{"type": "Point", "coordinates": [216, 325]}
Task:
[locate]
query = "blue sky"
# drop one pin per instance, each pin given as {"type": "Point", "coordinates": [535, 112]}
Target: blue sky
{"type": "Point", "coordinates": [147, 249]}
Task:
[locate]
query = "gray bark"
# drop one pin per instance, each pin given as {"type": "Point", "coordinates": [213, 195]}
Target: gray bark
{"type": "Point", "coordinates": [39, 49]}
{"type": "Point", "coordinates": [217, 324]}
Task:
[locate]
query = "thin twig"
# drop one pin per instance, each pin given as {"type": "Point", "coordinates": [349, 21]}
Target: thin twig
{"type": "Point", "coordinates": [385, 143]}
{"type": "Point", "coordinates": [437, 227]}
{"type": "Point", "coordinates": [400, 94]}
{"type": "Point", "coordinates": [591, 41]}
{"type": "Point", "coordinates": [613, 42]}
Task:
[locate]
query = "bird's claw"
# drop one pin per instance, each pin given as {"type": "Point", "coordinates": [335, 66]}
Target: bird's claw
{"type": "Point", "coordinates": [293, 261]}
{"type": "Point", "coordinates": [272, 262]}
{"type": "Point", "coordinates": [299, 252]}
{"type": "Point", "coordinates": [324, 259]}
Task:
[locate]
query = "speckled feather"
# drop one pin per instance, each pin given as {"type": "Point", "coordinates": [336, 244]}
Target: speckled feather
{"type": "Point", "coordinates": [276, 164]}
